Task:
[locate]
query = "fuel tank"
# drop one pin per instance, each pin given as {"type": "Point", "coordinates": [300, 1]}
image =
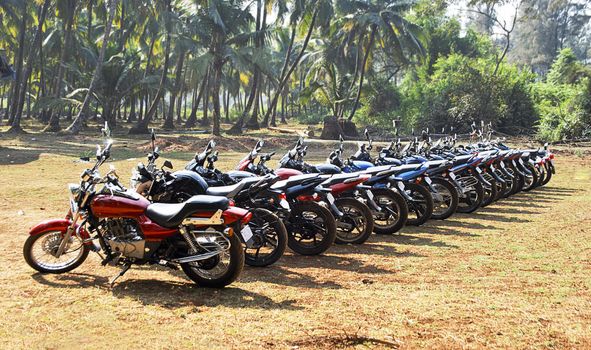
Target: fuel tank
{"type": "Point", "coordinates": [119, 205]}
{"type": "Point", "coordinates": [285, 173]}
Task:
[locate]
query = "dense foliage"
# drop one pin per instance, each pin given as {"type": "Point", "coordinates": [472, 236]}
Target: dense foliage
{"type": "Point", "coordinates": [252, 64]}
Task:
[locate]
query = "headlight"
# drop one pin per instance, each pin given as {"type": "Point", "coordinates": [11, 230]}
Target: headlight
{"type": "Point", "coordinates": [134, 181]}
{"type": "Point", "coordinates": [74, 191]}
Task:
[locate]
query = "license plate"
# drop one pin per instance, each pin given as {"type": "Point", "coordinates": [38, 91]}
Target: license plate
{"type": "Point", "coordinates": [428, 180]}
{"type": "Point", "coordinates": [492, 167]}
{"type": "Point", "coordinates": [502, 165]}
{"type": "Point", "coordinates": [478, 170]}
{"type": "Point", "coordinates": [401, 186]}
{"type": "Point", "coordinates": [246, 233]}
{"type": "Point", "coordinates": [369, 195]}
{"type": "Point", "coordinates": [284, 204]}
{"type": "Point", "coordinates": [452, 176]}
{"type": "Point", "coordinates": [330, 198]}
{"type": "Point", "coordinates": [521, 161]}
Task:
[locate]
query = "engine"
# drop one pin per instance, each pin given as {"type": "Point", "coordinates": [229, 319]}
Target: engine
{"type": "Point", "coordinates": [124, 237]}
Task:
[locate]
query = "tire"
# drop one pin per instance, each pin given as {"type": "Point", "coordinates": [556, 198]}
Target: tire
{"type": "Point", "coordinates": [473, 200]}
{"type": "Point", "coordinates": [298, 230]}
{"type": "Point", "coordinates": [541, 175]}
{"type": "Point", "coordinates": [394, 213]}
{"type": "Point", "coordinates": [421, 205]}
{"type": "Point", "coordinates": [530, 182]}
{"type": "Point", "coordinates": [510, 183]}
{"type": "Point", "coordinates": [269, 232]}
{"type": "Point", "coordinates": [448, 207]}
{"type": "Point", "coordinates": [490, 194]}
{"type": "Point", "coordinates": [32, 242]}
{"type": "Point", "coordinates": [235, 266]}
{"type": "Point", "coordinates": [501, 188]}
{"type": "Point", "coordinates": [520, 181]}
{"type": "Point", "coordinates": [548, 175]}
{"type": "Point", "coordinates": [356, 214]}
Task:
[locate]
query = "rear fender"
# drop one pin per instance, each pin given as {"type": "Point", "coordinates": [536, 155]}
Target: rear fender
{"type": "Point", "coordinates": [60, 225]}
{"type": "Point", "coordinates": [233, 214]}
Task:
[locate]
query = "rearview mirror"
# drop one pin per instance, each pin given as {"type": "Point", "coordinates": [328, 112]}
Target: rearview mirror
{"type": "Point", "coordinates": [366, 133]}
{"type": "Point", "coordinates": [98, 152]}
{"type": "Point", "coordinates": [167, 164]}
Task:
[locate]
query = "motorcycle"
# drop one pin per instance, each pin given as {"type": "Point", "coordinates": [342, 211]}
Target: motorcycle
{"type": "Point", "coordinates": [310, 226]}
{"type": "Point", "coordinates": [199, 234]}
{"type": "Point", "coordinates": [264, 238]}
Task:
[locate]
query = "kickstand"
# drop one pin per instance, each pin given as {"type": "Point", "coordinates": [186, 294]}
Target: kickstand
{"type": "Point", "coordinates": [121, 273]}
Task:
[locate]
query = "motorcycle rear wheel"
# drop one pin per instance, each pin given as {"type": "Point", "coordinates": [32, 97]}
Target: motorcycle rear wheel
{"type": "Point", "coordinates": [198, 274]}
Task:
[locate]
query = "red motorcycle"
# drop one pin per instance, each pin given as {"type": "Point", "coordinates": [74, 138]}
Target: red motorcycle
{"type": "Point", "coordinates": [199, 235]}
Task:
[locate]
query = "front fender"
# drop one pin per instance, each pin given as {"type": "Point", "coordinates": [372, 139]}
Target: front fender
{"type": "Point", "coordinates": [57, 225]}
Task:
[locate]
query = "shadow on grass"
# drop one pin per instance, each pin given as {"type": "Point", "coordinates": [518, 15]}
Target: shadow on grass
{"type": "Point", "coordinates": [11, 156]}
{"type": "Point", "coordinates": [167, 294]}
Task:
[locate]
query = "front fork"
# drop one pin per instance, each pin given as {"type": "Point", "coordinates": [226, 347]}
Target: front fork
{"type": "Point", "coordinates": [452, 177]}
{"type": "Point", "coordinates": [365, 193]}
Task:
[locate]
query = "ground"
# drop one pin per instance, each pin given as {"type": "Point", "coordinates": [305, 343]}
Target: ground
{"type": "Point", "coordinates": [514, 275]}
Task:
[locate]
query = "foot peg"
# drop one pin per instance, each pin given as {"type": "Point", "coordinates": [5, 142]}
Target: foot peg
{"type": "Point", "coordinates": [121, 273]}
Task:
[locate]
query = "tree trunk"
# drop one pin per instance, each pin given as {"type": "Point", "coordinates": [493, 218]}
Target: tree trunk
{"type": "Point", "coordinates": [285, 78]}
{"type": "Point", "coordinates": [169, 121]}
{"type": "Point", "coordinates": [142, 126]}
{"type": "Point", "coordinates": [20, 57]}
{"type": "Point", "coordinates": [76, 125]}
{"type": "Point", "coordinates": [16, 122]}
{"type": "Point", "coordinates": [192, 120]}
{"type": "Point", "coordinates": [367, 51]}
{"type": "Point", "coordinates": [217, 77]}
{"type": "Point", "coordinates": [54, 120]}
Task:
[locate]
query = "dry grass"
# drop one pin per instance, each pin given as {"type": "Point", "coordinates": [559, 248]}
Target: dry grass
{"type": "Point", "coordinates": [515, 275]}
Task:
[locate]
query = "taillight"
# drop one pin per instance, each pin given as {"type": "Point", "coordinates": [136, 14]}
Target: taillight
{"type": "Point", "coordinates": [246, 218]}
{"type": "Point", "coordinates": [282, 196]}
{"type": "Point", "coordinates": [304, 198]}
{"type": "Point", "coordinates": [551, 156]}
{"type": "Point", "coordinates": [232, 203]}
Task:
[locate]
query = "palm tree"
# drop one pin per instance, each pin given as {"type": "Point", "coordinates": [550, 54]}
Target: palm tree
{"type": "Point", "coordinates": [223, 28]}
{"type": "Point", "coordinates": [76, 125]}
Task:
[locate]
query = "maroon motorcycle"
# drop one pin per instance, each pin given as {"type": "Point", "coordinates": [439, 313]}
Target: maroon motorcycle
{"type": "Point", "coordinates": [124, 228]}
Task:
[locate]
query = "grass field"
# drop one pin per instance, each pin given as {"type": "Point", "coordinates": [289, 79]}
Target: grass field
{"type": "Point", "coordinates": [514, 275]}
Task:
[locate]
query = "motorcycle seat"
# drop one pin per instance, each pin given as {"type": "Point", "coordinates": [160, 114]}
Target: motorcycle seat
{"type": "Point", "coordinates": [294, 180]}
{"type": "Point", "coordinates": [433, 164]}
{"type": "Point", "coordinates": [172, 215]}
{"type": "Point", "coordinates": [376, 169]}
{"type": "Point", "coordinates": [339, 178]}
{"type": "Point", "coordinates": [462, 159]}
{"type": "Point", "coordinates": [231, 191]}
{"type": "Point", "coordinates": [406, 168]}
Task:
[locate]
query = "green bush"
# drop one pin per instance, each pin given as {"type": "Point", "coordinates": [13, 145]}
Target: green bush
{"type": "Point", "coordinates": [463, 90]}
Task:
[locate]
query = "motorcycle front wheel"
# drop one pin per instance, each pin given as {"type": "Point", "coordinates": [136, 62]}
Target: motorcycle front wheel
{"type": "Point", "coordinates": [356, 224]}
{"type": "Point", "coordinates": [269, 239]}
{"type": "Point", "coordinates": [445, 202]}
{"type": "Point", "coordinates": [39, 252]}
{"type": "Point", "coordinates": [311, 228]}
{"type": "Point", "coordinates": [393, 212]}
{"type": "Point", "coordinates": [420, 206]}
